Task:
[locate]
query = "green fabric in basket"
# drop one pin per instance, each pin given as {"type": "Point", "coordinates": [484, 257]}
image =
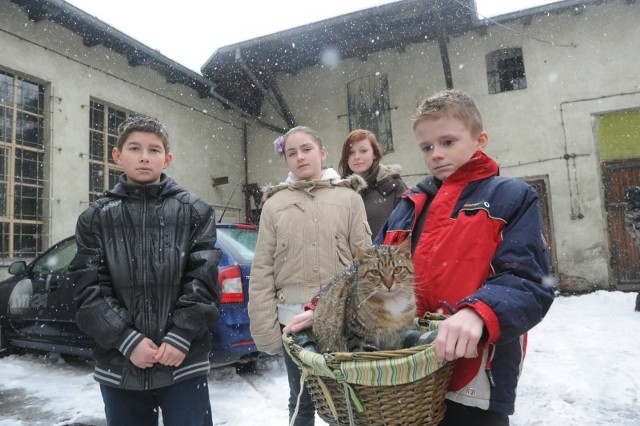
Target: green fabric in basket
{"type": "Point", "coordinates": [381, 372]}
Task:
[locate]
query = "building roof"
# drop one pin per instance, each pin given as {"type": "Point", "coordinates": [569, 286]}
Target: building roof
{"type": "Point", "coordinates": [242, 75]}
{"type": "Point", "coordinates": [95, 32]}
{"type": "Point", "coordinates": [239, 70]}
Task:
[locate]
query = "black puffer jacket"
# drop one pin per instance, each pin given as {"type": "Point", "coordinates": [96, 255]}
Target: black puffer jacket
{"type": "Point", "coordinates": [146, 267]}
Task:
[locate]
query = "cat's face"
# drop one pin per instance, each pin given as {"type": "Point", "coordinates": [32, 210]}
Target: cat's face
{"type": "Point", "coordinates": [386, 270]}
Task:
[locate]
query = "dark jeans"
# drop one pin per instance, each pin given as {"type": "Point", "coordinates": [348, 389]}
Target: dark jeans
{"type": "Point", "coordinates": [182, 404]}
{"type": "Point", "coordinates": [306, 410]}
{"type": "Point", "coordinates": [638, 302]}
{"type": "Point", "coordinates": [461, 415]}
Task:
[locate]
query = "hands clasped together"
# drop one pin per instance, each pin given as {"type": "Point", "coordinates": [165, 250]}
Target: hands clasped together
{"type": "Point", "coordinates": [147, 353]}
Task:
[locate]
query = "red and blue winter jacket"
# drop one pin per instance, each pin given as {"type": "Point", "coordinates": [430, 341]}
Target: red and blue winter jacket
{"type": "Point", "coordinates": [482, 247]}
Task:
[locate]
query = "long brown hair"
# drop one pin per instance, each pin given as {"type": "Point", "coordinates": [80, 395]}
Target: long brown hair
{"type": "Point", "coordinates": [353, 137]}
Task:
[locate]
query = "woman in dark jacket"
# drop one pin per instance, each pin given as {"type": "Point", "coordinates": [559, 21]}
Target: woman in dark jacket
{"type": "Point", "coordinates": [361, 154]}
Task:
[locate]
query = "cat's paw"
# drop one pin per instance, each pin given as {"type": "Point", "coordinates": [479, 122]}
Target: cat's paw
{"type": "Point", "coordinates": [369, 348]}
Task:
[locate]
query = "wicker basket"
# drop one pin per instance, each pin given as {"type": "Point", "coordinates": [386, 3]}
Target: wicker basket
{"type": "Point", "coordinates": [391, 388]}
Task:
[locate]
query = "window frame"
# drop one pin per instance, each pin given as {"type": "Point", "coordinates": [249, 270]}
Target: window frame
{"type": "Point", "coordinates": [506, 70]}
{"type": "Point", "coordinates": [23, 141]}
{"type": "Point", "coordinates": [103, 171]}
{"type": "Point", "coordinates": [369, 108]}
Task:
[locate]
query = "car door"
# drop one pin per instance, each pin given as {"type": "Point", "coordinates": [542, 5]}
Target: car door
{"type": "Point", "coordinates": [41, 302]}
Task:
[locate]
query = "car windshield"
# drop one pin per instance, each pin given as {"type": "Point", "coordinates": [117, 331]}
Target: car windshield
{"type": "Point", "coordinates": [239, 240]}
{"type": "Point", "coordinates": [57, 260]}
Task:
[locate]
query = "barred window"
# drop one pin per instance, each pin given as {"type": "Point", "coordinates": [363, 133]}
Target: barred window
{"type": "Point", "coordinates": [22, 164]}
{"type": "Point", "coordinates": [369, 108]}
{"type": "Point", "coordinates": [103, 136]}
{"type": "Point", "coordinates": [505, 70]}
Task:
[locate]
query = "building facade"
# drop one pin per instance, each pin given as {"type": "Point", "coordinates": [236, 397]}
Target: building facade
{"type": "Point", "coordinates": [559, 92]}
{"type": "Point", "coordinates": [66, 81]}
{"type": "Point", "coordinates": [557, 86]}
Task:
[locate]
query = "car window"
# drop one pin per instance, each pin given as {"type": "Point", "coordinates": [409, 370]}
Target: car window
{"type": "Point", "coordinates": [56, 260]}
{"type": "Point", "coordinates": [241, 241]}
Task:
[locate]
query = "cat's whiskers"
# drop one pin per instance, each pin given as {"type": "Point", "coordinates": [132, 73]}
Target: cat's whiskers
{"type": "Point", "coordinates": [373, 293]}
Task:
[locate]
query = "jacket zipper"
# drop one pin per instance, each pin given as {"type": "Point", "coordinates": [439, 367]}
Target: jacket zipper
{"type": "Point", "coordinates": [161, 249]}
{"type": "Point", "coordinates": [145, 316]}
{"type": "Point", "coordinates": [487, 366]}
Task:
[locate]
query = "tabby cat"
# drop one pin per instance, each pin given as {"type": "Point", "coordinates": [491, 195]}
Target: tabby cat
{"type": "Point", "coordinates": [370, 305]}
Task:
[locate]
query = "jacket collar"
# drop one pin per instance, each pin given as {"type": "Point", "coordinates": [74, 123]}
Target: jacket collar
{"type": "Point", "coordinates": [125, 189]}
{"type": "Point", "coordinates": [329, 179]}
{"type": "Point", "coordinates": [479, 167]}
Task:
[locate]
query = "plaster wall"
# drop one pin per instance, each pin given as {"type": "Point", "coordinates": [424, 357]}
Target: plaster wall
{"type": "Point", "coordinates": [579, 63]}
{"type": "Point", "coordinates": [206, 140]}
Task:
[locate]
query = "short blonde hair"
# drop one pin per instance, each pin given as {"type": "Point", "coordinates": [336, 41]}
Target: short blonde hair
{"type": "Point", "coordinates": [452, 103]}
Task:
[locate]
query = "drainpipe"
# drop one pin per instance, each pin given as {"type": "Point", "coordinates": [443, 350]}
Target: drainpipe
{"type": "Point", "coordinates": [442, 44]}
{"type": "Point", "coordinates": [247, 201]}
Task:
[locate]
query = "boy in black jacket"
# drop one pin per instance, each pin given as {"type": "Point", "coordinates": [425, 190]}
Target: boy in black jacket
{"type": "Point", "coordinates": [146, 286]}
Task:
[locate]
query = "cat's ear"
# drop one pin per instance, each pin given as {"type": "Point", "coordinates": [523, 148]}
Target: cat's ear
{"type": "Point", "coordinates": [405, 247]}
{"type": "Point", "coordinates": [362, 252]}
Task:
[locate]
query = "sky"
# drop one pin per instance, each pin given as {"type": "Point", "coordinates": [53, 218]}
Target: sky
{"type": "Point", "coordinates": [581, 369]}
{"type": "Point", "coordinates": [189, 34]}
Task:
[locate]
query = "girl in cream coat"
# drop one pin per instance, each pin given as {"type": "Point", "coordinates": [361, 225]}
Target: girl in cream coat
{"type": "Point", "coordinates": [309, 228]}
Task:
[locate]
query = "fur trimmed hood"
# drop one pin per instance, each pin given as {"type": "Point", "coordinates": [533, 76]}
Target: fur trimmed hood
{"type": "Point", "coordinates": [329, 179]}
{"type": "Point", "coordinates": [391, 169]}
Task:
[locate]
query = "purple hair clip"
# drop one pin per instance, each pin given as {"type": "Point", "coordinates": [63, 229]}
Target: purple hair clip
{"type": "Point", "coordinates": [278, 146]}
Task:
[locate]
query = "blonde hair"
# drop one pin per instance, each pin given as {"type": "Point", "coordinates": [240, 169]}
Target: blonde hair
{"type": "Point", "coordinates": [303, 129]}
{"type": "Point", "coordinates": [452, 103]}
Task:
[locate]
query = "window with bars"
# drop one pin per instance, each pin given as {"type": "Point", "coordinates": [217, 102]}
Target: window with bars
{"type": "Point", "coordinates": [103, 136]}
{"type": "Point", "coordinates": [505, 70]}
{"type": "Point", "coordinates": [369, 108]}
{"type": "Point", "coordinates": [22, 164]}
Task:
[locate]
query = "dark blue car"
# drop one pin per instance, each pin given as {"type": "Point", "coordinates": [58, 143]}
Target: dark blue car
{"type": "Point", "coordinates": [36, 304]}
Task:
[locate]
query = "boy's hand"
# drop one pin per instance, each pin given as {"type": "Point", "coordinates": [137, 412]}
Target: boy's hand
{"type": "Point", "coordinates": [143, 354]}
{"type": "Point", "coordinates": [170, 356]}
{"type": "Point", "coordinates": [299, 322]}
{"type": "Point", "coordinates": [458, 336]}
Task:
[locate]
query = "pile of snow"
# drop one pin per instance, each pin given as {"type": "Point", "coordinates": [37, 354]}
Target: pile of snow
{"type": "Point", "coordinates": [581, 369]}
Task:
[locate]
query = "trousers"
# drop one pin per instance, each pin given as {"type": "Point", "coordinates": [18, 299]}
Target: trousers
{"type": "Point", "coordinates": [458, 415]}
{"type": "Point", "coordinates": [184, 403]}
{"type": "Point", "coordinates": [306, 410]}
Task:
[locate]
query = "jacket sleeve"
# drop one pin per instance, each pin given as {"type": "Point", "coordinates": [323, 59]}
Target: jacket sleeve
{"type": "Point", "coordinates": [263, 314]}
{"type": "Point", "coordinates": [359, 230]}
{"type": "Point", "coordinates": [519, 293]}
{"type": "Point", "coordinates": [198, 304]}
{"type": "Point", "coordinates": [99, 313]}
{"type": "Point", "coordinates": [402, 187]}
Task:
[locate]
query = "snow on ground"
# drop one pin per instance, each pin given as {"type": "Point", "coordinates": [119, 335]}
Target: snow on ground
{"type": "Point", "coordinates": [581, 369]}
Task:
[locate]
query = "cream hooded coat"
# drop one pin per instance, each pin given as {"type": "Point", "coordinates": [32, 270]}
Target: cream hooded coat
{"type": "Point", "coordinates": [308, 232]}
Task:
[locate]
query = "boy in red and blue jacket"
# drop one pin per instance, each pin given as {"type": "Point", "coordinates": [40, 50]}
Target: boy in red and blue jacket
{"type": "Point", "coordinates": [479, 254]}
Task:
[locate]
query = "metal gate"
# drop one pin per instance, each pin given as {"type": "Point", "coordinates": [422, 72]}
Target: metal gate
{"type": "Point", "coordinates": [369, 108]}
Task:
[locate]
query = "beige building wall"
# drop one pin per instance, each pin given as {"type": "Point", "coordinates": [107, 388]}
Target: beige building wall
{"type": "Point", "coordinates": [206, 139]}
{"type": "Point", "coordinates": [579, 63]}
